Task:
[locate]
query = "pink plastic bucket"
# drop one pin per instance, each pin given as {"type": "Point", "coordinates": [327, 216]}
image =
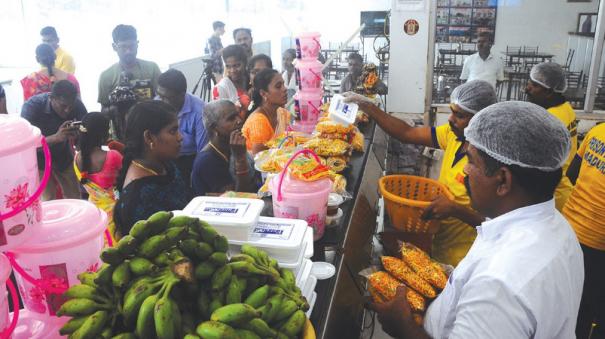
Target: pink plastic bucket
{"type": "Point", "coordinates": [304, 128]}
{"type": "Point", "coordinates": [308, 46]}
{"type": "Point", "coordinates": [308, 75]}
{"type": "Point", "coordinates": [296, 199]}
{"type": "Point", "coordinates": [307, 106]}
{"type": "Point", "coordinates": [68, 242]}
{"type": "Point", "coordinates": [7, 327]}
{"type": "Point", "coordinates": [20, 212]}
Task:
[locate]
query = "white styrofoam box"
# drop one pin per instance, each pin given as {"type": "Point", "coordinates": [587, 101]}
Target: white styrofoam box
{"type": "Point", "coordinates": [295, 266]}
{"type": "Point", "coordinates": [282, 239]}
{"type": "Point", "coordinates": [309, 240]}
{"type": "Point", "coordinates": [309, 287]}
{"type": "Point", "coordinates": [231, 217]}
{"type": "Point", "coordinates": [303, 273]}
{"type": "Point", "coordinates": [342, 112]}
{"type": "Point", "coordinates": [311, 304]}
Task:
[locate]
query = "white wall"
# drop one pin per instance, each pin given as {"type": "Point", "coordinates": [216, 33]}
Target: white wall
{"type": "Point", "coordinates": [543, 23]}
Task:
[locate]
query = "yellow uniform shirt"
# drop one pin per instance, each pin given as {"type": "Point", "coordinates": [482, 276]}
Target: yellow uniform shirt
{"type": "Point", "coordinates": [454, 237]}
{"type": "Point", "coordinates": [585, 208]}
{"type": "Point", "coordinates": [567, 115]}
{"type": "Point", "coordinates": [64, 61]}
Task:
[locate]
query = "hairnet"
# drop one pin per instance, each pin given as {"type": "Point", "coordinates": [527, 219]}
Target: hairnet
{"type": "Point", "coordinates": [549, 75]}
{"type": "Point", "coordinates": [473, 96]}
{"type": "Point", "coordinates": [520, 133]}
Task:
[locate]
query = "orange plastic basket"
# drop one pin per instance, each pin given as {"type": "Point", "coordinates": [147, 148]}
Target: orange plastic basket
{"type": "Point", "coordinates": [406, 197]}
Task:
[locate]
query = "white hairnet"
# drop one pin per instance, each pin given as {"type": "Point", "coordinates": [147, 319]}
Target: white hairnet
{"type": "Point", "coordinates": [520, 133]}
{"type": "Point", "coordinates": [474, 96]}
{"type": "Point", "coordinates": [549, 75]}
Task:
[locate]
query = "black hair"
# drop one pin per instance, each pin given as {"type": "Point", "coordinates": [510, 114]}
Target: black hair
{"type": "Point", "coordinates": [217, 24]}
{"type": "Point", "coordinates": [487, 35]}
{"type": "Point", "coordinates": [539, 185]}
{"type": "Point", "coordinates": [64, 89]}
{"type": "Point", "coordinates": [235, 51]}
{"type": "Point", "coordinates": [123, 33]}
{"type": "Point", "coordinates": [46, 56]}
{"type": "Point", "coordinates": [173, 80]}
{"type": "Point", "coordinates": [49, 30]}
{"type": "Point", "coordinates": [261, 82]}
{"type": "Point", "coordinates": [150, 115]}
{"type": "Point", "coordinates": [96, 134]}
{"type": "Point", "coordinates": [355, 56]}
{"type": "Point", "coordinates": [258, 57]}
{"type": "Point", "coordinates": [291, 51]}
{"type": "Point", "coordinates": [247, 30]}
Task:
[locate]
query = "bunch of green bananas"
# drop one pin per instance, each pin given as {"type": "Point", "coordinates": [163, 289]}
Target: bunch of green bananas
{"type": "Point", "coordinates": [171, 277]}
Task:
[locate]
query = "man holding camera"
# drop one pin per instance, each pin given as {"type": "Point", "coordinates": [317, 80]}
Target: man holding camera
{"type": "Point", "coordinates": [57, 114]}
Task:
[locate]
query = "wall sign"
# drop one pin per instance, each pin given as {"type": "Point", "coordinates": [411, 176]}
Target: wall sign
{"type": "Point", "coordinates": [411, 26]}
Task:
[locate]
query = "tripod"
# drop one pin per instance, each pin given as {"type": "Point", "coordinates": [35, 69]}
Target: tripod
{"type": "Point", "coordinates": [206, 78]}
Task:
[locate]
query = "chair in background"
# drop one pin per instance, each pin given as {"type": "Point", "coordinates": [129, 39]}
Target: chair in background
{"type": "Point", "coordinates": [569, 59]}
{"type": "Point", "coordinates": [575, 79]}
{"type": "Point", "coordinates": [513, 56]}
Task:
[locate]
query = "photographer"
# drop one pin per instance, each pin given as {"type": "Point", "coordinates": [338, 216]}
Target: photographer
{"type": "Point", "coordinates": [54, 113]}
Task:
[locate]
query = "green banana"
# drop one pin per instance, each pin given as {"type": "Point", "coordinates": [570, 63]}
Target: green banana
{"type": "Point", "coordinates": [260, 327]}
{"type": "Point", "coordinates": [259, 256]}
{"type": "Point", "coordinates": [217, 301]}
{"type": "Point", "coordinates": [107, 333]}
{"type": "Point", "coordinates": [191, 336]}
{"type": "Point", "coordinates": [145, 327]}
{"type": "Point", "coordinates": [234, 292]}
{"type": "Point", "coordinates": [252, 283]}
{"type": "Point", "coordinates": [288, 276]}
{"type": "Point", "coordinates": [273, 305]}
{"type": "Point", "coordinates": [216, 330]}
{"type": "Point", "coordinates": [121, 275]}
{"type": "Point", "coordinates": [246, 334]}
{"type": "Point", "coordinates": [242, 257]}
{"type": "Point", "coordinates": [133, 300]}
{"type": "Point", "coordinates": [188, 246]}
{"type": "Point", "coordinates": [92, 326]}
{"type": "Point", "coordinates": [152, 246]}
{"type": "Point", "coordinates": [85, 291]}
{"type": "Point", "coordinates": [163, 316]}
{"type": "Point", "coordinates": [125, 336]}
{"type": "Point", "coordinates": [280, 335]}
{"type": "Point", "coordinates": [203, 250]}
{"type": "Point", "coordinates": [218, 258]}
{"type": "Point", "coordinates": [158, 221]}
{"type": "Point", "coordinates": [142, 266]}
{"type": "Point", "coordinates": [273, 263]}
{"type": "Point", "coordinates": [220, 243]}
{"type": "Point", "coordinates": [203, 304]}
{"type": "Point", "coordinates": [221, 278]}
{"type": "Point", "coordinates": [140, 230]}
{"type": "Point", "coordinates": [103, 277]}
{"type": "Point", "coordinates": [79, 307]}
{"type": "Point", "coordinates": [88, 278]}
{"type": "Point", "coordinates": [180, 221]}
{"type": "Point", "coordinates": [295, 324]}
{"type": "Point", "coordinates": [207, 232]}
{"type": "Point", "coordinates": [127, 245]}
{"type": "Point", "coordinates": [162, 259]}
{"type": "Point", "coordinates": [234, 314]}
{"type": "Point", "coordinates": [72, 325]}
{"type": "Point", "coordinates": [204, 270]}
{"type": "Point", "coordinates": [112, 256]}
{"type": "Point", "coordinates": [178, 320]}
{"type": "Point", "coordinates": [177, 233]}
{"type": "Point", "coordinates": [288, 307]}
{"type": "Point", "coordinates": [244, 268]}
{"type": "Point", "coordinates": [258, 297]}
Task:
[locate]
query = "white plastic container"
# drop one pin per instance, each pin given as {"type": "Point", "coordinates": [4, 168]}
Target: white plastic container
{"type": "Point", "coordinates": [303, 273]}
{"type": "Point", "coordinates": [309, 287]}
{"type": "Point", "coordinates": [282, 239]}
{"type": "Point", "coordinates": [311, 304]}
{"type": "Point", "coordinates": [342, 112]}
{"type": "Point", "coordinates": [232, 217]}
{"type": "Point", "coordinates": [309, 240]}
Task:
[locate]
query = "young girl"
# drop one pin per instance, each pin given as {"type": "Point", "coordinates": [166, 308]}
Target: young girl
{"type": "Point", "coordinates": [97, 169]}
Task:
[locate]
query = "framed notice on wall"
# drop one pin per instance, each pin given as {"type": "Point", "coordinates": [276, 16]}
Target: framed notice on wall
{"type": "Point", "coordinates": [462, 20]}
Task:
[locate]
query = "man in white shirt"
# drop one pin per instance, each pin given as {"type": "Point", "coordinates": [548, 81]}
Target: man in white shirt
{"type": "Point", "coordinates": [523, 276]}
{"type": "Point", "coordinates": [483, 65]}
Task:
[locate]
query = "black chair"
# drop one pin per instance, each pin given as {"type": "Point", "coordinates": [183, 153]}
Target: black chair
{"type": "Point", "coordinates": [575, 79]}
{"type": "Point", "coordinates": [569, 59]}
{"type": "Point", "coordinates": [512, 56]}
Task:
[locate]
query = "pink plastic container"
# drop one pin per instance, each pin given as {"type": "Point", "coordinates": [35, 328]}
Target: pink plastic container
{"type": "Point", "coordinates": [304, 128]}
{"type": "Point", "coordinates": [308, 75]}
{"type": "Point", "coordinates": [296, 199]}
{"type": "Point", "coordinates": [307, 106]}
{"type": "Point", "coordinates": [308, 46]}
{"type": "Point", "coordinates": [68, 242]}
{"type": "Point", "coordinates": [20, 212]}
{"type": "Point", "coordinates": [7, 327]}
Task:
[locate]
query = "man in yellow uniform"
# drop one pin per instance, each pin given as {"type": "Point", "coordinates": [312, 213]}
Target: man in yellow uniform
{"type": "Point", "coordinates": [585, 211]}
{"type": "Point", "coordinates": [63, 61]}
{"type": "Point", "coordinates": [454, 237]}
{"type": "Point", "coordinates": [545, 88]}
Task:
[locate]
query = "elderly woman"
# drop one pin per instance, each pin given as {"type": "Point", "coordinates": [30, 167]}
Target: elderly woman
{"type": "Point", "coordinates": [224, 164]}
{"type": "Point", "coordinates": [269, 118]}
{"type": "Point", "coordinates": [42, 81]}
{"type": "Point", "coordinates": [149, 180]}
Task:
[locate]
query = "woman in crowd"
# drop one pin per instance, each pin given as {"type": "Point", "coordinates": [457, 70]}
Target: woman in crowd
{"type": "Point", "coordinates": [149, 181]}
{"type": "Point", "coordinates": [234, 86]}
{"type": "Point", "coordinates": [95, 168]}
{"type": "Point", "coordinates": [269, 119]}
{"type": "Point", "coordinates": [223, 165]}
{"type": "Point", "coordinates": [42, 80]}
